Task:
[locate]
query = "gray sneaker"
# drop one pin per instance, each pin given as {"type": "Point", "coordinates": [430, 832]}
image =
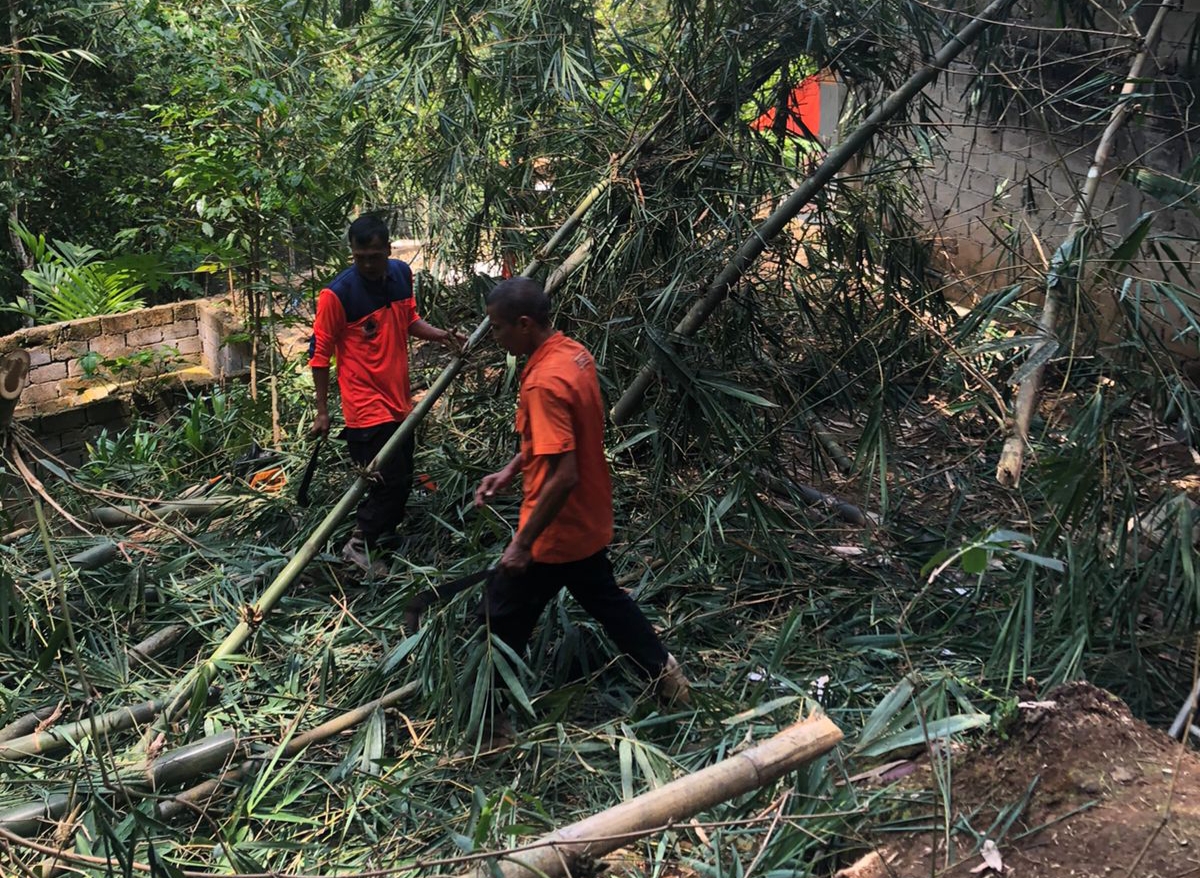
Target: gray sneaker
{"type": "Point", "coordinates": [356, 552]}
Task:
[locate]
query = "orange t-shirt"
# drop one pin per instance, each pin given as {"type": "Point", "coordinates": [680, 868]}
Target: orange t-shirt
{"type": "Point", "coordinates": [560, 410]}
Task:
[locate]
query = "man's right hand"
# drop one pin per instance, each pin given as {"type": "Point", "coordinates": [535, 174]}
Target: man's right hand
{"type": "Point", "coordinates": [320, 425]}
{"type": "Point", "coordinates": [489, 486]}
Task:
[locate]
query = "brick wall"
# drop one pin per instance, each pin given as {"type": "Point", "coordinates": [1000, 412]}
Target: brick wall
{"type": "Point", "coordinates": [81, 371]}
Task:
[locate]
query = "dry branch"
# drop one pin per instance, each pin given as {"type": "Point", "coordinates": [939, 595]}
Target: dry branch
{"type": "Point", "coordinates": [837, 158]}
{"type": "Point", "coordinates": [555, 854]}
{"type": "Point", "coordinates": [1064, 285]}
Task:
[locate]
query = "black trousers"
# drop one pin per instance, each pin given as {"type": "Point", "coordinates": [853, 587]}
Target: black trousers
{"type": "Point", "coordinates": [382, 508]}
{"type": "Point", "coordinates": [513, 604]}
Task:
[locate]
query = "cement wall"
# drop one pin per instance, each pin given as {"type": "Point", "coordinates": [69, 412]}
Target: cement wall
{"type": "Point", "coordinates": [1001, 197]}
{"type": "Point", "coordinates": [83, 372]}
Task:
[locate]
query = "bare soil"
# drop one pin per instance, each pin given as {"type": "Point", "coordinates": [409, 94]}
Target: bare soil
{"type": "Point", "coordinates": [1092, 792]}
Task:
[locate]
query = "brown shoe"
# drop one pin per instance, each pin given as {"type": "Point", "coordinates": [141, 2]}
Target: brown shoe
{"type": "Point", "coordinates": [495, 734]}
{"type": "Point", "coordinates": [672, 688]}
{"type": "Point", "coordinates": [357, 553]}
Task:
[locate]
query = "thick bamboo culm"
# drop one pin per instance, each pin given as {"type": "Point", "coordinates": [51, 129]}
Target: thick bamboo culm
{"type": "Point", "coordinates": [556, 854]}
{"type": "Point", "coordinates": [60, 737]}
{"type": "Point", "coordinates": [188, 763]}
{"type": "Point", "coordinates": [89, 559]}
{"type": "Point", "coordinates": [753, 247]}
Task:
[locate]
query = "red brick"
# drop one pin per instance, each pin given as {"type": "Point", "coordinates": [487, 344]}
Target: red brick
{"type": "Point", "coordinates": [117, 324]}
{"type": "Point", "coordinates": [50, 372]}
{"type": "Point", "coordinates": [141, 338]}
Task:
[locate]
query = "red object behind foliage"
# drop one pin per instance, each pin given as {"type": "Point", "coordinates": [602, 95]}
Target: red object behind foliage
{"type": "Point", "coordinates": [804, 110]}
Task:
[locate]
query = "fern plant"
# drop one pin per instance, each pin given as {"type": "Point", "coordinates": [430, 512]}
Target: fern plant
{"type": "Point", "coordinates": [69, 281]}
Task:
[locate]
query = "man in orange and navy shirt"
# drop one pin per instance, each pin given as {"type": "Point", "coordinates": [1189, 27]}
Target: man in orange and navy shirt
{"type": "Point", "coordinates": [364, 319]}
{"type": "Point", "coordinates": [566, 520]}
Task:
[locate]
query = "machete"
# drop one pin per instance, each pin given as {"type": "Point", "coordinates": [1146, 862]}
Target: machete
{"type": "Point", "coordinates": [309, 471]}
{"type": "Point", "coordinates": [439, 594]}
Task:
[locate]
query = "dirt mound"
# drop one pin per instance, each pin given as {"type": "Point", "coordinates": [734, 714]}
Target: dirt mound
{"type": "Point", "coordinates": [1076, 786]}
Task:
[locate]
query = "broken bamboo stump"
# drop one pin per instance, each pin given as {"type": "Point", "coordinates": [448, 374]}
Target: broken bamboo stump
{"type": "Point", "coordinates": [14, 374]}
{"type": "Point", "coordinates": [554, 855]}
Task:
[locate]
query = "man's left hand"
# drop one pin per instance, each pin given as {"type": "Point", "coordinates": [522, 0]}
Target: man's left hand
{"type": "Point", "coordinates": [516, 558]}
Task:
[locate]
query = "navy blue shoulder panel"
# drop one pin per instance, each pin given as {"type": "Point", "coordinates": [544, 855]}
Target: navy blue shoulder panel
{"type": "Point", "coordinates": [357, 301]}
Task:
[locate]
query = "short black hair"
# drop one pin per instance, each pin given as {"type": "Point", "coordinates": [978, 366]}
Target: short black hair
{"type": "Point", "coordinates": [520, 297]}
{"type": "Point", "coordinates": [368, 229]}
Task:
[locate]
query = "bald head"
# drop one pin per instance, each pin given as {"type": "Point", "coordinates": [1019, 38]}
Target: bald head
{"type": "Point", "coordinates": [519, 297]}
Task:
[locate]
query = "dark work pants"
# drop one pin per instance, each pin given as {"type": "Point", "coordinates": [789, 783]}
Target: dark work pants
{"type": "Point", "coordinates": [382, 507]}
{"type": "Point", "coordinates": [513, 604]}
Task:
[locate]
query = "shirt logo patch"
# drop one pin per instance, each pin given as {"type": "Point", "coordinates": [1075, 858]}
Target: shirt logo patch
{"type": "Point", "coordinates": [583, 360]}
{"type": "Point", "coordinates": [370, 328]}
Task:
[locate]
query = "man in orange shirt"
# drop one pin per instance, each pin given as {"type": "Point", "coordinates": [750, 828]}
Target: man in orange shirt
{"type": "Point", "coordinates": [364, 318]}
{"type": "Point", "coordinates": [566, 520]}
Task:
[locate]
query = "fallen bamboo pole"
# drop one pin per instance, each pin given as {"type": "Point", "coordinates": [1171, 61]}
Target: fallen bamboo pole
{"type": "Point", "coordinates": [196, 507]}
{"type": "Point", "coordinates": [26, 724]}
{"type": "Point", "coordinates": [195, 798]}
{"type": "Point", "coordinates": [89, 559]}
{"type": "Point", "coordinates": [61, 737]}
{"type": "Point", "coordinates": [207, 754]}
{"type": "Point", "coordinates": [1063, 284]}
{"type": "Point", "coordinates": [556, 854]}
{"type": "Point", "coordinates": [753, 247]}
{"type": "Point", "coordinates": [188, 762]}
{"type": "Point", "coordinates": [141, 653]}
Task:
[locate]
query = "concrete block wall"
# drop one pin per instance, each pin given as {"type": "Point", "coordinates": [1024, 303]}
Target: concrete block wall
{"type": "Point", "coordinates": [70, 397]}
{"type": "Point", "coordinates": [1001, 198]}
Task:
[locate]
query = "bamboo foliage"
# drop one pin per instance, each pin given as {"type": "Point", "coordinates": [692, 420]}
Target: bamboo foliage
{"type": "Point", "coordinates": [831, 362]}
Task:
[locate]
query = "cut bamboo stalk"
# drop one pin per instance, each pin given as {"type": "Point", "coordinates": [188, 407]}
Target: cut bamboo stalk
{"type": "Point", "coordinates": [1012, 456]}
{"type": "Point", "coordinates": [187, 763]}
{"type": "Point", "coordinates": [556, 854]}
{"type": "Point", "coordinates": [207, 754]}
{"type": "Point", "coordinates": [40, 743]}
{"type": "Point", "coordinates": [197, 796]}
{"type": "Point", "coordinates": [89, 559]}
{"type": "Point", "coordinates": [141, 653]}
{"type": "Point", "coordinates": [837, 158]}
{"type": "Point", "coordinates": [26, 724]}
{"type": "Point", "coordinates": [196, 507]}
{"type": "Point", "coordinates": [14, 374]}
